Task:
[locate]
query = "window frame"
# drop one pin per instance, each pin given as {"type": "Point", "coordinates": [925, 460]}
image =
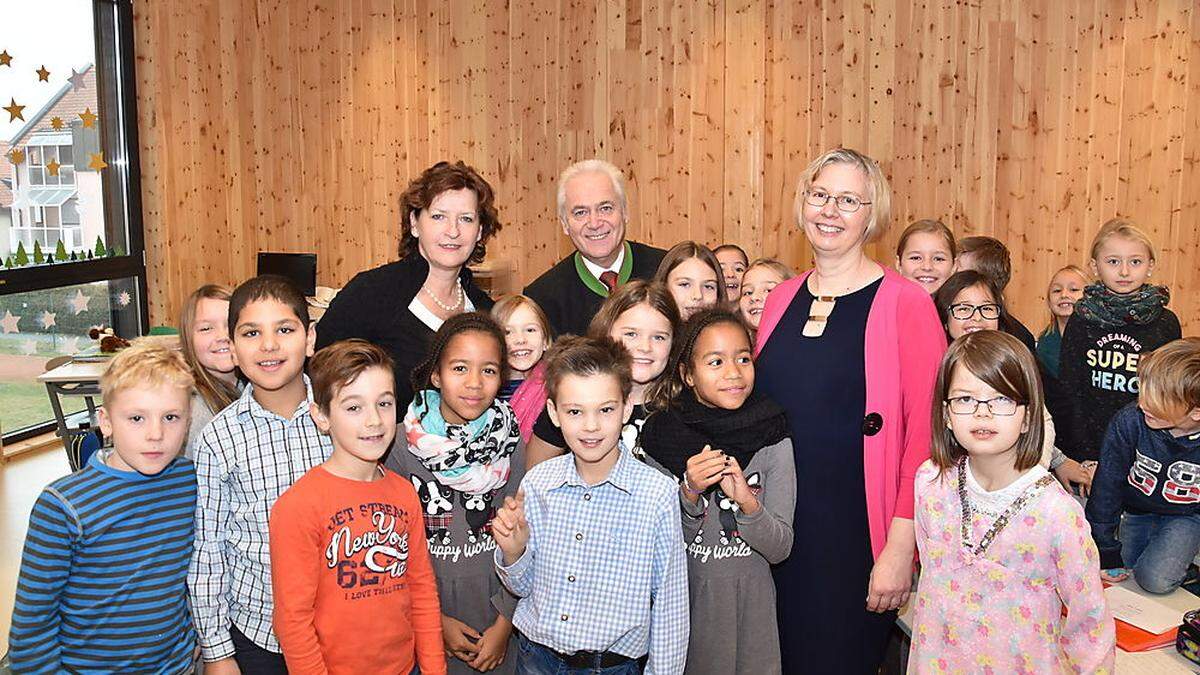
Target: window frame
{"type": "Point", "coordinates": [117, 89]}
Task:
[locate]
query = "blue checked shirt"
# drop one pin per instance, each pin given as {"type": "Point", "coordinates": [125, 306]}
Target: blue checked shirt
{"type": "Point", "coordinates": [246, 457]}
{"type": "Point", "coordinates": [605, 568]}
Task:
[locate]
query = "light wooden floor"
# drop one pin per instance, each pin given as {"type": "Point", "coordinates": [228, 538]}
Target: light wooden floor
{"type": "Point", "coordinates": [21, 481]}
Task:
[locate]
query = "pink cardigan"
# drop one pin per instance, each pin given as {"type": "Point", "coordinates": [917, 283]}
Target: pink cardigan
{"type": "Point", "coordinates": [904, 346]}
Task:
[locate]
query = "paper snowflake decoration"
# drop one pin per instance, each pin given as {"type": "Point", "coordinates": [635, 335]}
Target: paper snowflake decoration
{"type": "Point", "coordinates": [124, 299]}
{"type": "Point", "coordinates": [70, 345]}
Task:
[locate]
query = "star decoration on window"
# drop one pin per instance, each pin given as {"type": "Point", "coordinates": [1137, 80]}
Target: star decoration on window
{"type": "Point", "coordinates": [14, 110]}
{"type": "Point", "coordinates": [97, 162]}
{"type": "Point", "coordinates": [9, 322]}
{"type": "Point", "coordinates": [56, 123]}
{"type": "Point", "coordinates": [79, 303]}
{"type": "Point", "coordinates": [5, 59]}
{"type": "Point", "coordinates": [17, 156]}
{"type": "Point", "coordinates": [53, 167]}
{"type": "Point", "coordinates": [47, 319]}
{"type": "Point", "coordinates": [29, 347]}
{"type": "Point", "coordinates": [76, 80]}
{"type": "Point", "coordinates": [70, 345]}
{"type": "Point", "coordinates": [89, 118]}
{"type": "Point", "coordinates": [124, 299]}
{"type": "Point", "coordinates": [43, 74]}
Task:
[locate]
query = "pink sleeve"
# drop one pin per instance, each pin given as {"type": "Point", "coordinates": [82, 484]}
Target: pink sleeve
{"type": "Point", "coordinates": [1088, 636]}
{"type": "Point", "coordinates": [922, 344]}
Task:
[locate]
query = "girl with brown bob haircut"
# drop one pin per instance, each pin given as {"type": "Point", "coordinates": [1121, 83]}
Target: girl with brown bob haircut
{"type": "Point", "coordinates": [1001, 543]}
{"type": "Point", "coordinates": [1004, 364]}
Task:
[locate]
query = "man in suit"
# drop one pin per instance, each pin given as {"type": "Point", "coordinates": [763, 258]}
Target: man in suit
{"type": "Point", "coordinates": [593, 211]}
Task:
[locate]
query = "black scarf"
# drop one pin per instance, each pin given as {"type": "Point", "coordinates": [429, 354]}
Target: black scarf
{"type": "Point", "coordinates": [673, 435]}
{"type": "Point", "coordinates": [1114, 310]}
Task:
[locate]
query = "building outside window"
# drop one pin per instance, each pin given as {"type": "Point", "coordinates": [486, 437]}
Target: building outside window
{"type": "Point", "coordinates": [71, 252]}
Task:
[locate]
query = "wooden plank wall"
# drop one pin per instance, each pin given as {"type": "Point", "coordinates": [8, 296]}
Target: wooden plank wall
{"type": "Point", "coordinates": [294, 124]}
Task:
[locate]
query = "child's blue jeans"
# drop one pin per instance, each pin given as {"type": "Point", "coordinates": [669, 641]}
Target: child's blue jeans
{"type": "Point", "coordinates": [534, 659]}
{"type": "Point", "coordinates": [1158, 549]}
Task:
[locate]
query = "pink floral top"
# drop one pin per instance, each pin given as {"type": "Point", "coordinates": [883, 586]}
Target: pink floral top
{"type": "Point", "coordinates": [1002, 611]}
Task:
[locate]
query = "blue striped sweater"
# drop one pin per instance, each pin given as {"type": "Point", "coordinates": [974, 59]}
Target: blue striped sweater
{"type": "Point", "coordinates": [103, 584]}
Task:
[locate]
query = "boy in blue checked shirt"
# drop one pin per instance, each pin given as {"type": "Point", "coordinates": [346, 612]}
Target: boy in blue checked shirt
{"type": "Point", "coordinates": [592, 545]}
{"type": "Point", "coordinates": [247, 456]}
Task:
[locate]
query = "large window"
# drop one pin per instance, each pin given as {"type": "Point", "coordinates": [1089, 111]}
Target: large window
{"type": "Point", "coordinates": [70, 214]}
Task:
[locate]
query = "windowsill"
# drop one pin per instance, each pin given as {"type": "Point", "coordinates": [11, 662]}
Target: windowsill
{"type": "Point", "coordinates": [34, 444]}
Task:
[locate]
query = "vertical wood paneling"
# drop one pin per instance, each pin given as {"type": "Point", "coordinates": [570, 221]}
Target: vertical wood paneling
{"type": "Point", "coordinates": [295, 124]}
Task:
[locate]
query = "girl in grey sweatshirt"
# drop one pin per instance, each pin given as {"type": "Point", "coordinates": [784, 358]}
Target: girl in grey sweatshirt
{"type": "Point", "coordinates": [729, 448]}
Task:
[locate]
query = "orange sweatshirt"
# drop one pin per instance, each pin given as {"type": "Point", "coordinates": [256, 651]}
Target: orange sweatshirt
{"type": "Point", "coordinates": [353, 585]}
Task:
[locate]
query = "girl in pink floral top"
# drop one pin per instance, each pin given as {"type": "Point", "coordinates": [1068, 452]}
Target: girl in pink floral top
{"type": "Point", "coordinates": [1003, 547]}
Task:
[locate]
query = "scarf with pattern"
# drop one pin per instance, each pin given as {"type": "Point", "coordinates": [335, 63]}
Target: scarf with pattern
{"type": "Point", "coordinates": [1115, 310]}
{"type": "Point", "coordinates": [472, 457]}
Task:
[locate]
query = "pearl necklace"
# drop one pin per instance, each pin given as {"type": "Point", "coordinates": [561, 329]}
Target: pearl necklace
{"type": "Point", "coordinates": [446, 308]}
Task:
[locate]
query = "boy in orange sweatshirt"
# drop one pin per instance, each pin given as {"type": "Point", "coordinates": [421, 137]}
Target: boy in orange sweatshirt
{"type": "Point", "coordinates": [348, 539]}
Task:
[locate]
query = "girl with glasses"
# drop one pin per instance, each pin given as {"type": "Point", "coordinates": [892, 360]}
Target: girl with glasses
{"type": "Point", "coordinates": [970, 302]}
{"type": "Point", "coordinates": [1003, 547]}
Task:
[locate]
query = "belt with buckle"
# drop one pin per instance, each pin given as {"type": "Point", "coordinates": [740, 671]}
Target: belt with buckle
{"type": "Point", "coordinates": [585, 659]}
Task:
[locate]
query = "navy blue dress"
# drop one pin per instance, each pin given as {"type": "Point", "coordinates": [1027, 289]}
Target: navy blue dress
{"type": "Point", "coordinates": [824, 626]}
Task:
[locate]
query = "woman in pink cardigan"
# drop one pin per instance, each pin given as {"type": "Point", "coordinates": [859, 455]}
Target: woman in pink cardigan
{"type": "Point", "coordinates": [850, 350]}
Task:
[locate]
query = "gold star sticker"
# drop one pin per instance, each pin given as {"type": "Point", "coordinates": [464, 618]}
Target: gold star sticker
{"type": "Point", "coordinates": [97, 162]}
{"type": "Point", "coordinates": [53, 167]}
{"type": "Point", "coordinates": [56, 123]}
{"type": "Point", "coordinates": [5, 59]}
{"type": "Point", "coordinates": [89, 119]}
{"type": "Point", "coordinates": [14, 110]}
{"type": "Point", "coordinates": [17, 156]}
{"type": "Point", "coordinates": [43, 74]}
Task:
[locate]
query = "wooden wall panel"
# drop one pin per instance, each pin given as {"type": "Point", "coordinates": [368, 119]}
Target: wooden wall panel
{"type": "Point", "coordinates": [295, 124]}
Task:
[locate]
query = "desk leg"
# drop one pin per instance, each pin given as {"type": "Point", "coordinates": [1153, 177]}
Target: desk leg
{"type": "Point", "coordinates": [58, 413]}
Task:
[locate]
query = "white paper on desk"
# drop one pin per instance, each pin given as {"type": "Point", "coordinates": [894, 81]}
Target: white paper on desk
{"type": "Point", "coordinates": [1142, 611]}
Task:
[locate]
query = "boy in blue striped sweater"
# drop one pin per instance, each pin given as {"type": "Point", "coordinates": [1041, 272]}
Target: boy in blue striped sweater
{"type": "Point", "coordinates": [103, 582]}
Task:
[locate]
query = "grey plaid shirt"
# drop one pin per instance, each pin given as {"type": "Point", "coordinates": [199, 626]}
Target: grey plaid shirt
{"type": "Point", "coordinates": [245, 458]}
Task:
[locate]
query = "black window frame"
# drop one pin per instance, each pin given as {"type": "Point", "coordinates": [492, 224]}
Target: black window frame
{"type": "Point", "coordinates": [117, 92]}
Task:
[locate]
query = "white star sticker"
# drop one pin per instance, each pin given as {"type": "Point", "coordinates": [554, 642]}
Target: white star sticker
{"type": "Point", "coordinates": [9, 322]}
{"type": "Point", "coordinates": [29, 347]}
{"type": "Point", "coordinates": [79, 303]}
{"type": "Point", "coordinates": [76, 80]}
{"type": "Point", "coordinates": [47, 319]}
{"type": "Point", "coordinates": [124, 299]}
{"type": "Point", "coordinates": [70, 345]}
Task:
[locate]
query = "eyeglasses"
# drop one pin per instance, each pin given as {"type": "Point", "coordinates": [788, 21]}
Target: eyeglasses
{"type": "Point", "coordinates": [1001, 406]}
{"type": "Point", "coordinates": [846, 203]}
{"type": "Point", "coordinates": [963, 311]}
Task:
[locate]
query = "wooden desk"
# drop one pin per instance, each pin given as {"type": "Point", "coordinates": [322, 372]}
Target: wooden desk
{"type": "Point", "coordinates": [82, 378]}
{"type": "Point", "coordinates": [75, 378]}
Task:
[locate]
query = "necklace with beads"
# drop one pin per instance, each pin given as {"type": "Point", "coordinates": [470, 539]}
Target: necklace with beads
{"type": "Point", "coordinates": [1013, 509]}
{"type": "Point", "coordinates": [446, 308]}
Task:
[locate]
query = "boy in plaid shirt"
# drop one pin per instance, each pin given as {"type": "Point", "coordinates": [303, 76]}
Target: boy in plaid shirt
{"type": "Point", "coordinates": [593, 544]}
